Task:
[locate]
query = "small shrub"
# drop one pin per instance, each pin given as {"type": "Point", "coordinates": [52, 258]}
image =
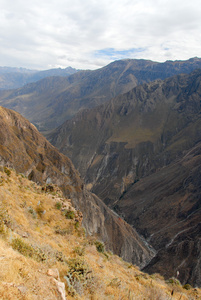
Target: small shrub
{"type": "Point", "coordinates": [60, 257]}
{"type": "Point", "coordinates": [100, 247]}
{"type": "Point", "coordinates": [39, 254]}
{"type": "Point", "coordinates": [40, 210]}
{"type": "Point", "coordinates": [7, 171]}
{"type": "Point", "coordinates": [22, 175]}
{"type": "Point", "coordinates": [174, 281]}
{"type": "Point", "coordinates": [80, 251]}
{"type": "Point", "coordinates": [2, 229]}
{"type": "Point", "coordinates": [142, 277]}
{"type": "Point", "coordinates": [28, 250]}
{"type": "Point", "coordinates": [22, 247]}
{"type": "Point", "coordinates": [77, 268]}
{"type": "Point", "coordinates": [58, 205]}
{"type": "Point", "coordinates": [77, 225]}
{"type": "Point", "coordinates": [4, 220]}
{"type": "Point", "coordinates": [187, 286]}
{"type": "Point", "coordinates": [69, 214]}
{"type": "Point", "coordinates": [76, 277]}
{"type": "Point", "coordinates": [32, 212]}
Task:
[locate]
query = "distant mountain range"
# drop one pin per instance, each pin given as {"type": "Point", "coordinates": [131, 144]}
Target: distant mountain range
{"type": "Point", "coordinates": [51, 101]}
{"type": "Point", "coordinates": [12, 78]}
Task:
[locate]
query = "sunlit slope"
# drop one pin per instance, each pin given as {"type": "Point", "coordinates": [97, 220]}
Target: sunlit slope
{"type": "Point", "coordinates": [46, 255]}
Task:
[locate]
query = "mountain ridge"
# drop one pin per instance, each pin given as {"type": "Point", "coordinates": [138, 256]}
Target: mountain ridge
{"type": "Point", "coordinates": [12, 78]}
{"type": "Point", "coordinates": [48, 104]}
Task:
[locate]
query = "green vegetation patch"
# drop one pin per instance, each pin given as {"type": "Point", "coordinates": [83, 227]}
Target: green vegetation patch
{"type": "Point", "coordinates": [28, 250]}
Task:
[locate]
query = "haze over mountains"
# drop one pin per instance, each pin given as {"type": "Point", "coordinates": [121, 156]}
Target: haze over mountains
{"type": "Point", "coordinates": [51, 101]}
{"type": "Point", "coordinates": [137, 148]}
{"type": "Point", "coordinates": [12, 78]}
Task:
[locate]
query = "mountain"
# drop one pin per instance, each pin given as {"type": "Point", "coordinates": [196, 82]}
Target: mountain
{"type": "Point", "coordinates": [46, 255]}
{"type": "Point", "coordinates": [49, 102]}
{"type": "Point", "coordinates": [6, 70]}
{"type": "Point", "coordinates": [140, 153]}
{"type": "Point", "coordinates": [134, 134]}
{"type": "Point", "coordinates": [165, 208]}
{"type": "Point", "coordinates": [12, 78]}
{"type": "Point", "coordinates": [24, 149]}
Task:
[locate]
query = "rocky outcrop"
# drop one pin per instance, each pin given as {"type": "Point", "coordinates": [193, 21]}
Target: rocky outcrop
{"type": "Point", "coordinates": [54, 274]}
{"type": "Point", "coordinates": [117, 235]}
{"type": "Point", "coordinates": [23, 148]}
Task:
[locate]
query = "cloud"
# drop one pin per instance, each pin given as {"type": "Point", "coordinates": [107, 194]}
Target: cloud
{"type": "Point", "coordinates": [91, 33]}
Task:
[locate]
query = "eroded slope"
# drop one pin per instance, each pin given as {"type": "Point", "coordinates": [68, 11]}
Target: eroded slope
{"type": "Point", "coordinates": [23, 148]}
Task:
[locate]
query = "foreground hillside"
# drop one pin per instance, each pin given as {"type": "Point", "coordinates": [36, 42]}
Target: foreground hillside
{"type": "Point", "coordinates": [51, 101]}
{"type": "Point", "coordinates": [23, 148]}
{"type": "Point", "coordinates": [46, 255]}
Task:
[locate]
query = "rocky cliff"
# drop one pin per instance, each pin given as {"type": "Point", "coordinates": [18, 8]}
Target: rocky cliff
{"type": "Point", "coordinates": [165, 208]}
{"type": "Point", "coordinates": [116, 144]}
{"type": "Point", "coordinates": [23, 148]}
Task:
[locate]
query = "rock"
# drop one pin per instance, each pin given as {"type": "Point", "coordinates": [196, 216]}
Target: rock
{"type": "Point", "coordinates": [22, 289]}
{"type": "Point", "coordinates": [61, 288]}
{"type": "Point", "coordinates": [53, 273]}
{"type": "Point", "coordinates": [25, 235]}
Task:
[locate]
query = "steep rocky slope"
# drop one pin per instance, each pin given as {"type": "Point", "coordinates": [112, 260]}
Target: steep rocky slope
{"type": "Point", "coordinates": [44, 253]}
{"type": "Point", "coordinates": [141, 154]}
{"type": "Point", "coordinates": [49, 102]}
{"type": "Point", "coordinates": [116, 144]}
{"type": "Point", "coordinates": [23, 148]}
{"type": "Point", "coordinates": [165, 208]}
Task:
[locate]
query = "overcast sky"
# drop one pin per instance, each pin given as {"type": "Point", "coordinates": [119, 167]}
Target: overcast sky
{"type": "Point", "coordinates": [88, 34]}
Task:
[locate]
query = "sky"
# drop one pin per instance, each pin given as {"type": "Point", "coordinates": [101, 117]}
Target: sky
{"type": "Point", "coordinates": [89, 34]}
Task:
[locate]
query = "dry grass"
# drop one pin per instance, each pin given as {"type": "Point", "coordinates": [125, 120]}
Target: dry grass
{"type": "Point", "coordinates": [35, 235]}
